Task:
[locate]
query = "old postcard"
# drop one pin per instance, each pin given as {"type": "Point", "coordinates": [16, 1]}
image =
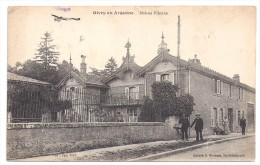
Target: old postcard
{"type": "Point", "coordinates": [131, 83]}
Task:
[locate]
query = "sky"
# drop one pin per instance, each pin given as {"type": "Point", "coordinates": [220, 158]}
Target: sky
{"type": "Point", "coordinates": [224, 38]}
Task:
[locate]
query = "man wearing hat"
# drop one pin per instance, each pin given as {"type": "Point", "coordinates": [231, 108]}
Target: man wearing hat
{"type": "Point", "coordinates": [243, 124]}
{"type": "Point", "coordinates": [198, 127]}
{"type": "Point", "coordinates": [185, 123]}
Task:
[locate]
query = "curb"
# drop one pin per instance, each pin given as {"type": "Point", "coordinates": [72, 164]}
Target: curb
{"type": "Point", "coordinates": [169, 153]}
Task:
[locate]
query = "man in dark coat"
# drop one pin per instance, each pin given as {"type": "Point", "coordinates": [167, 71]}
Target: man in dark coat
{"type": "Point", "coordinates": [243, 125]}
{"type": "Point", "coordinates": [198, 127]}
{"type": "Point", "coordinates": [185, 123]}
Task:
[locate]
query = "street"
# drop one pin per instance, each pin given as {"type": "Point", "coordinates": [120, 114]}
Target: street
{"type": "Point", "coordinates": [235, 150]}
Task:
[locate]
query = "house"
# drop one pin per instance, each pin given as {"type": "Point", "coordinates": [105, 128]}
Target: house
{"type": "Point", "coordinates": [85, 93]}
{"type": "Point", "coordinates": [126, 90]}
{"type": "Point", "coordinates": [20, 90]}
{"type": "Point", "coordinates": [115, 98]}
{"type": "Point", "coordinates": [122, 94]}
{"type": "Point", "coordinates": [215, 95]}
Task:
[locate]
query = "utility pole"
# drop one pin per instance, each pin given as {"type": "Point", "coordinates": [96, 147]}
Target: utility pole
{"type": "Point", "coordinates": [178, 39]}
{"type": "Point", "coordinates": [70, 65]}
{"type": "Point", "coordinates": [178, 54]}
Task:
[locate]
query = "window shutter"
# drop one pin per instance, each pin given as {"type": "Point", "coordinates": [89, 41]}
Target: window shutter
{"type": "Point", "coordinates": [224, 113]}
{"type": "Point", "coordinates": [242, 94]}
{"type": "Point", "coordinates": [239, 91]}
{"type": "Point", "coordinates": [173, 78]}
{"type": "Point", "coordinates": [212, 118]}
{"type": "Point", "coordinates": [170, 78]}
{"type": "Point", "coordinates": [127, 92]}
{"type": "Point", "coordinates": [158, 78]}
{"type": "Point", "coordinates": [213, 86]}
{"type": "Point", "coordinates": [218, 86]}
{"type": "Point", "coordinates": [221, 87]}
{"type": "Point", "coordinates": [137, 92]}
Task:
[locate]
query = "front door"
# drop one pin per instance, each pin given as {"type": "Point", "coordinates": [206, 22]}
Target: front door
{"type": "Point", "coordinates": [132, 114]}
{"type": "Point", "coordinates": [230, 119]}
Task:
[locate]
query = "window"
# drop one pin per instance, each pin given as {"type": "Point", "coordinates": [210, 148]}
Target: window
{"type": "Point", "coordinates": [132, 112]}
{"type": "Point", "coordinates": [217, 116]}
{"type": "Point", "coordinates": [132, 93]}
{"type": "Point", "coordinates": [241, 93]}
{"type": "Point", "coordinates": [214, 117]}
{"type": "Point", "coordinates": [71, 93]}
{"type": "Point", "coordinates": [126, 92]}
{"type": "Point", "coordinates": [165, 77]}
{"type": "Point", "coordinates": [217, 86]}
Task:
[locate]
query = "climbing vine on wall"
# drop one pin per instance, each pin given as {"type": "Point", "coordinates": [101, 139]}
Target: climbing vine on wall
{"type": "Point", "coordinates": [166, 103]}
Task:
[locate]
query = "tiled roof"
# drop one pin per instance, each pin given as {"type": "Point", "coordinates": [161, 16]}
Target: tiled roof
{"type": "Point", "coordinates": [18, 78]}
{"type": "Point", "coordinates": [192, 66]}
{"type": "Point", "coordinates": [88, 80]}
{"type": "Point", "coordinates": [92, 79]}
{"type": "Point", "coordinates": [119, 73]}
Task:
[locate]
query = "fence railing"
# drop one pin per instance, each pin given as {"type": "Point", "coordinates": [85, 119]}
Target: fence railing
{"type": "Point", "coordinates": [78, 105]}
{"type": "Point", "coordinates": [29, 105]}
{"type": "Point", "coordinates": [120, 99]}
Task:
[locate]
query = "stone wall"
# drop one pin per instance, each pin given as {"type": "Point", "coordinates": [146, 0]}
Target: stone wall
{"type": "Point", "coordinates": [29, 140]}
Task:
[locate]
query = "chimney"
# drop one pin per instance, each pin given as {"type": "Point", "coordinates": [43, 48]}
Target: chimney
{"type": "Point", "coordinates": [236, 77]}
{"type": "Point", "coordinates": [195, 60]}
{"type": "Point", "coordinates": [83, 66]}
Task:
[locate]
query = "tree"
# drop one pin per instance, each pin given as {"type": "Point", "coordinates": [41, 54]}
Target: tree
{"type": "Point", "coordinates": [31, 69]}
{"type": "Point", "coordinates": [111, 66]}
{"type": "Point", "coordinates": [167, 104]}
{"type": "Point", "coordinates": [17, 66]}
{"type": "Point", "coordinates": [164, 97]}
{"type": "Point", "coordinates": [46, 54]}
{"type": "Point", "coordinates": [147, 111]}
{"type": "Point", "coordinates": [63, 69]}
{"type": "Point", "coordinates": [97, 72]}
{"type": "Point", "coordinates": [37, 71]}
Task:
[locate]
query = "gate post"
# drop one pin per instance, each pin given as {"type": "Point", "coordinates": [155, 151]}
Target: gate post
{"type": "Point", "coordinates": [9, 117]}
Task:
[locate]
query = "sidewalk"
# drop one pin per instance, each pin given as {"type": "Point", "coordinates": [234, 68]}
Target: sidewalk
{"type": "Point", "coordinates": [138, 152]}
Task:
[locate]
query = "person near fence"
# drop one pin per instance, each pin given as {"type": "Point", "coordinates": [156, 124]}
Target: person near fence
{"type": "Point", "coordinates": [185, 123]}
{"type": "Point", "coordinates": [243, 125]}
{"type": "Point", "coordinates": [198, 127]}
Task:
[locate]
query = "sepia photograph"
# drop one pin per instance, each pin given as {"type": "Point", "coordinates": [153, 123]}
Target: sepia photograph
{"type": "Point", "coordinates": [131, 84]}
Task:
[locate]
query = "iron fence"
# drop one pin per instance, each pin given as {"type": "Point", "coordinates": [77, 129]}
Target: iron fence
{"type": "Point", "coordinates": [74, 105]}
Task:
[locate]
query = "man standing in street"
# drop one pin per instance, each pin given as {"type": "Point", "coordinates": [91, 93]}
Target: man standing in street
{"type": "Point", "coordinates": [198, 127]}
{"type": "Point", "coordinates": [185, 123]}
{"type": "Point", "coordinates": [243, 125]}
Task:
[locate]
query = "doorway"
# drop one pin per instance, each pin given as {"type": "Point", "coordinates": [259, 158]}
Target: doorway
{"type": "Point", "coordinates": [230, 119]}
{"type": "Point", "coordinates": [132, 114]}
{"type": "Point", "coordinates": [250, 117]}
